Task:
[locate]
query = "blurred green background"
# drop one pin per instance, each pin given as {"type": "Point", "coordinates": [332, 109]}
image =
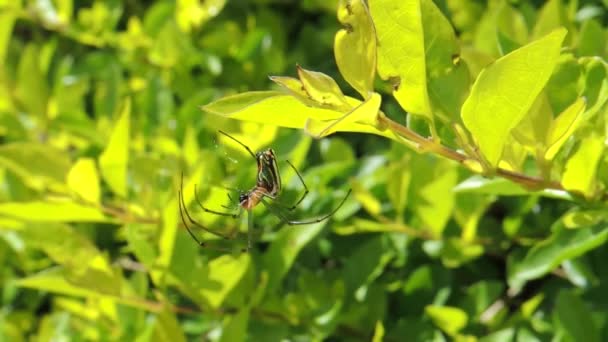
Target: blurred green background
{"type": "Point", "coordinates": [99, 117]}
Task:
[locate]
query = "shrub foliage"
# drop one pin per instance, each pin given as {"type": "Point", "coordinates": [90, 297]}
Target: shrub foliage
{"type": "Point", "coordinates": [472, 134]}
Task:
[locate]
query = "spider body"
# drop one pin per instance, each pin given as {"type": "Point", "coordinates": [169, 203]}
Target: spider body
{"type": "Point", "coordinates": [267, 187]}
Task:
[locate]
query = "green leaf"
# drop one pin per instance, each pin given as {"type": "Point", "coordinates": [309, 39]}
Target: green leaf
{"type": "Point", "coordinates": [448, 77]}
{"type": "Point", "coordinates": [38, 165]}
{"type": "Point", "coordinates": [365, 113]}
{"type": "Point", "coordinates": [7, 20]}
{"type": "Point", "coordinates": [168, 328]}
{"type": "Point", "coordinates": [449, 319]}
{"type": "Point", "coordinates": [84, 180]}
{"type": "Point", "coordinates": [562, 245]}
{"type": "Point", "coordinates": [401, 52]}
{"type": "Point", "coordinates": [285, 248]}
{"type": "Point", "coordinates": [235, 328]}
{"type": "Point", "coordinates": [504, 187]}
{"type": "Point", "coordinates": [511, 29]}
{"type": "Point", "coordinates": [223, 275]}
{"type": "Point", "coordinates": [55, 280]}
{"type": "Point", "coordinates": [592, 39]}
{"type": "Point", "coordinates": [32, 88]}
{"type": "Point", "coordinates": [504, 92]}
{"type": "Point", "coordinates": [574, 317]}
{"type": "Point", "coordinates": [551, 16]}
{"type": "Point", "coordinates": [456, 252]}
{"type": "Point", "coordinates": [52, 212]}
{"type": "Point", "coordinates": [431, 192]}
{"type": "Point", "coordinates": [532, 130]}
{"type": "Point", "coordinates": [114, 159]}
{"type": "Point", "coordinates": [581, 168]}
{"type": "Point", "coordinates": [366, 263]}
{"type": "Point", "coordinates": [378, 332]}
{"type": "Point", "coordinates": [563, 126]}
{"type": "Point", "coordinates": [355, 46]}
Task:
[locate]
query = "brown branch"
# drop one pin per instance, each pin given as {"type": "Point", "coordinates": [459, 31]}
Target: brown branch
{"type": "Point", "coordinates": [426, 144]}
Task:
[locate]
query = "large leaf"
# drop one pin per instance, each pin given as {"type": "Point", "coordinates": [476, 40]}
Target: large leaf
{"type": "Point", "coordinates": [113, 161]}
{"type": "Point", "coordinates": [401, 52]}
{"type": "Point", "coordinates": [355, 46]}
{"type": "Point", "coordinates": [504, 92]}
{"type": "Point", "coordinates": [276, 108]}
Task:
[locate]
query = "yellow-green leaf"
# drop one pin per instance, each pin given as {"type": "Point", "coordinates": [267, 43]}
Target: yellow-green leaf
{"type": "Point", "coordinates": [52, 212]}
{"type": "Point", "coordinates": [563, 126]}
{"type": "Point", "coordinates": [365, 113]}
{"type": "Point", "coordinates": [276, 108]}
{"type": "Point", "coordinates": [37, 164]}
{"type": "Point", "coordinates": [504, 92]}
{"type": "Point", "coordinates": [84, 180]}
{"type": "Point", "coordinates": [269, 107]}
{"type": "Point", "coordinates": [323, 89]}
{"type": "Point", "coordinates": [378, 332]}
{"type": "Point", "coordinates": [401, 52]}
{"type": "Point", "coordinates": [7, 20]}
{"type": "Point", "coordinates": [113, 161]}
{"type": "Point", "coordinates": [32, 88]}
{"type": "Point", "coordinates": [582, 166]}
{"type": "Point", "coordinates": [294, 87]}
{"type": "Point", "coordinates": [225, 272]}
{"type": "Point", "coordinates": [355, 46]}
{"type": "Point", "coordinates": [449, 319]}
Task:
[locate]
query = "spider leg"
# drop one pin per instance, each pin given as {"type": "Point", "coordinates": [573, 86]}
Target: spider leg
{"type": "Point", "coordinates": [183, 210]}
{"type": "Point", "coordinates": [275, 210]}
{"type": "Point", "coordinates": [233, 215]}
{"type": "Point", "coordinates": [303, 184]}
{"type": "Point", "coordinates": [240, 143]}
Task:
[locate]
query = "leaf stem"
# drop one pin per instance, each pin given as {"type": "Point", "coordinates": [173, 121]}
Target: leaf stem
{"type": "Point", "coordinates": [426, 144]}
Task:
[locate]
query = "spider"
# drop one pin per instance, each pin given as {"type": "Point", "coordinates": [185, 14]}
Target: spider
{"type": "Point", "coordinates": [266, 191]}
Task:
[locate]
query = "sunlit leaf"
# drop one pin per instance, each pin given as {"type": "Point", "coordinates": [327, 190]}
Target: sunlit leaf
{"type": "Point", "coordinates": [114, 159]}
{"type": "Point", "coordinates": [37, 164]}
{"type": "Point", "coordinates": [223, 274]}
{"type": "Point", "coordinates": [504, 92]}
{"type": "Point", "coordinates": [582, 166]}
{"type": "Point", "coordinates": [401, 52]}
{"type": "Point", "coordinates": [52, 211]}
{"type": "Point", "coordinates": [355, 46]}
{"type": "Point", "coordinates": [562, 127]}
{"type": "Point", "coordinates": [449, 319]}
{"type": "Point", "coordinates": [276, 108]}
{"type": "Point", "coordinates": [365, 113]}
{"type": "Point", "coordinates": [84, 180]}
{"type": "Point", "coordinates": [323, 90]}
